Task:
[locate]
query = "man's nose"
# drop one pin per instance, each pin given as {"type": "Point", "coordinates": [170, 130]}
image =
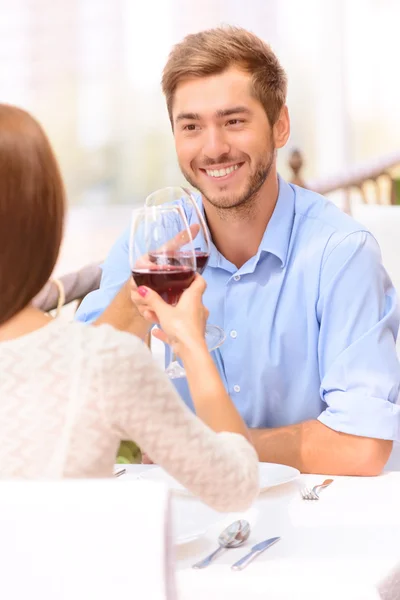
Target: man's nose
{"type": "Point", "coordinates": [216, 145]}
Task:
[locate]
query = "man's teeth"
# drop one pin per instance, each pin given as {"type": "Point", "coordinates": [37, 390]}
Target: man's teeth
{"type": "Point", "coordinates": [221, 172]}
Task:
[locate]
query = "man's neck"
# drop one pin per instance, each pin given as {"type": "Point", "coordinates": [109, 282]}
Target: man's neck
{"type": "Point", "coordinates": [237, 234]}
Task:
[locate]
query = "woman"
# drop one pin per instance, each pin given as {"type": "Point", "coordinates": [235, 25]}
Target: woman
{"type": "Point", "coordinates": [69, 393]}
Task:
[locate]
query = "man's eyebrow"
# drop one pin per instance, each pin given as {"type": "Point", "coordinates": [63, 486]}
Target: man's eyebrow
{"type": "Point", "coordinates": [227, 112]}
{"type": "Point", "coordinates": [187, 117]}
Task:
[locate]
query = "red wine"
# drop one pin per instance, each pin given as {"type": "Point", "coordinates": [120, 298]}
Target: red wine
{"type": "Point", "coordinates": [167, 280]}
{"type": "Point", "coordinates": [175, 258]}
{"type": "Point", "coordinates": [201, 260]}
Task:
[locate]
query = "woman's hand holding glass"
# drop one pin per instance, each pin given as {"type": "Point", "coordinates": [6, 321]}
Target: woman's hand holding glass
{"type": "Point", "coordinates": [183, 325]}
{"type": "Point", "coordinates": [162, 258]}
{"type": "Point", "coordinates": [180, 196]}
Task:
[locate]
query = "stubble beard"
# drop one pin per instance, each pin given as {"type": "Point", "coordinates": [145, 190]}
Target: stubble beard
{"type": "Point", "coordinates": [231, 207]}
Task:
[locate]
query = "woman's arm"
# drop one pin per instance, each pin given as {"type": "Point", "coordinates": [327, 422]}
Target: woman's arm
{"type": "Point", "coordinates": [123, 315]}
{"type": "Point", "coordinates": [210, 398]}
{"type": "Point", "coordinates": [183, 328]}
{"type": "Point", "coordinates": [141, 404]}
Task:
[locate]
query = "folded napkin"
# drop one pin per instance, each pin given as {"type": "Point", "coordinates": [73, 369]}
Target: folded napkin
{"type": "Point", "coordinates": [85, 539]}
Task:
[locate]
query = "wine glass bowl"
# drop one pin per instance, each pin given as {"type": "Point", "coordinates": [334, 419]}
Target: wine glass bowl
{"type": "Point", "coordinates": [161, 256]}
{"type": "Point", "coordinates": [183, 197]}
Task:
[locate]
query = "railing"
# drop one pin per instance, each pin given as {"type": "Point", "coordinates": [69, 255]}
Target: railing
{"type": "Point", "coordinates": [372, 179]}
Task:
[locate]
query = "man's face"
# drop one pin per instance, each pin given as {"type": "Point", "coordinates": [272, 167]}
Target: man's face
{"type": "Point", "coordinates": [224, 142]}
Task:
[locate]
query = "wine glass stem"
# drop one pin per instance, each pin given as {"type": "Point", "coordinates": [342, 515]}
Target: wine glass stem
{"type": "Point", "coordinates": [173, 356]}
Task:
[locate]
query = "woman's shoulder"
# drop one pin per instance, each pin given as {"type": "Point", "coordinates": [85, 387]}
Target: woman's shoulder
{"type": "Point", "coordinates": [104, 337]}
{"type": "Point", "coordinates": [100, 345]}
{"type": "Point", "coordinates": [80, 339]}
{"type": "Point", "coordinates": [118, 355]}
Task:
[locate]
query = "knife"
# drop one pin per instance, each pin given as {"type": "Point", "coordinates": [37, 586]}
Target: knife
{"type": "Point", "coordinates": [255, 551]}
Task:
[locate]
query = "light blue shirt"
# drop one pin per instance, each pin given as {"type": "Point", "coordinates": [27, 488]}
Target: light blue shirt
{"type": "Point", "coordinates": [311, 321]}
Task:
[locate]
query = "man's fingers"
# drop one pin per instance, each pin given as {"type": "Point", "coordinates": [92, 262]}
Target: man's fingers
{"type": "Point", "coordinates": [144, 262]}
{"type": "Point", "coordinates": [182, 238]}
{"type": "Point", "coordinates": [175, 243]}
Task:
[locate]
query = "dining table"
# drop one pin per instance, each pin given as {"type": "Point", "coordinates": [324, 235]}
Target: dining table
{"type": "Point", "coordinates": [346, 545]}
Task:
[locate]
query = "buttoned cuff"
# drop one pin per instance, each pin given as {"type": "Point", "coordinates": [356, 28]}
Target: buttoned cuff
{"type": "Point", "coordinates": [362, 415]}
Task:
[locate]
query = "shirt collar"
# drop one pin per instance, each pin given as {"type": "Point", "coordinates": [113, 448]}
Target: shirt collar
{"type": "Point", "coordinates": [276, 237]}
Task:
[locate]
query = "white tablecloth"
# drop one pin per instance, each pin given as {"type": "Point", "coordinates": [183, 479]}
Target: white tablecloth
{"type": "Point", "coordinates": [346, 546]}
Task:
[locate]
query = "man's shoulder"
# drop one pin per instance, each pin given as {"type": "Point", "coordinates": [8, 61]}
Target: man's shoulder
{"type": "Point", "coordinates": [321, 215]}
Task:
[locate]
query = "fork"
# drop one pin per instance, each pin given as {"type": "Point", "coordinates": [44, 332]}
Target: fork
{"type": "Point", "coordinates": [313, 494]}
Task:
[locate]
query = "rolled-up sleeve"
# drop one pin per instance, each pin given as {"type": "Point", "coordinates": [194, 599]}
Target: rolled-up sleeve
{"type": "Point", "coordinates": [115, 272]}
{"type": "Point", "coordinates": [359, 318]}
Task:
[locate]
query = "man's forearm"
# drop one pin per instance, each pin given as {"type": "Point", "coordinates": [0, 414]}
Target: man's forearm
{"type": "Point", "coordinates": [122, 314]}
{"type": "Point", "coordinates": [312, 447]}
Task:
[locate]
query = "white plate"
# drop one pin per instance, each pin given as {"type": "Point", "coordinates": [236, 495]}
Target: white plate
{"type": "Point", "coordinates": [191, 520]}
{"type": "Point", "coordinates": [271, 475]}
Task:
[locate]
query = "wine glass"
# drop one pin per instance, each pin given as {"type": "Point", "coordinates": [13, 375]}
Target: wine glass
{"type": "Point", "coordinates": [161, 256]}
{"type": "Point", "coordinates": [180, 196]}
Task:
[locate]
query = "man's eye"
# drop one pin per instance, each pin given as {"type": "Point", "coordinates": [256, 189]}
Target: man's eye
{"type": "Point", "coordinates": [190, 127]}
{"type": "Point", "coordinates": [234, 122]}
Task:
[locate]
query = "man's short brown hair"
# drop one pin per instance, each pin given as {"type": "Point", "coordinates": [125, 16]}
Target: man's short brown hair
{"type": "Point", "coordinates": [214, 51]}
{"type": "Point", "coordinates": [31, 210]}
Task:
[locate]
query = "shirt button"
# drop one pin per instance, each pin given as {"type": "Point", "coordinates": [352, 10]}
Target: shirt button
{"type": "Point", "coordinates": [236, 388]}
{"type": "Point", "coordinates": [236, 277]}
{"type": "Point", "coordinates": [233, 334]}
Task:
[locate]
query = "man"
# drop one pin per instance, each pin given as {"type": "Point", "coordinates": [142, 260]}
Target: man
{"type": "Point", "coordinates": [310, 313]}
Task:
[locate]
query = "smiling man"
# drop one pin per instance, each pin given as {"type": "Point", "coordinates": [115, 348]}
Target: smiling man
{"type": "Point", "coordinates": [309, 311]}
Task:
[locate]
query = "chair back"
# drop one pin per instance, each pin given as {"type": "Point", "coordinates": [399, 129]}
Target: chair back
{"type": "Point", "coordinates": [85, 539]}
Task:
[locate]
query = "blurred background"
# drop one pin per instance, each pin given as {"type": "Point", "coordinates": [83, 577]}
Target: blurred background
{"type": "Point", "coordinates": [90, 71]}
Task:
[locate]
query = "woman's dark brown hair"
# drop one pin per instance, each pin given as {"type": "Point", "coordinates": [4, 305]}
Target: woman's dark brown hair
{"type": "Point", "coordinates": [31, 210]}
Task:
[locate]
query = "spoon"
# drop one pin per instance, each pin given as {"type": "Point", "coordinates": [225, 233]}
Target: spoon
{"type": "Point", "coordinates": [231, 537]}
